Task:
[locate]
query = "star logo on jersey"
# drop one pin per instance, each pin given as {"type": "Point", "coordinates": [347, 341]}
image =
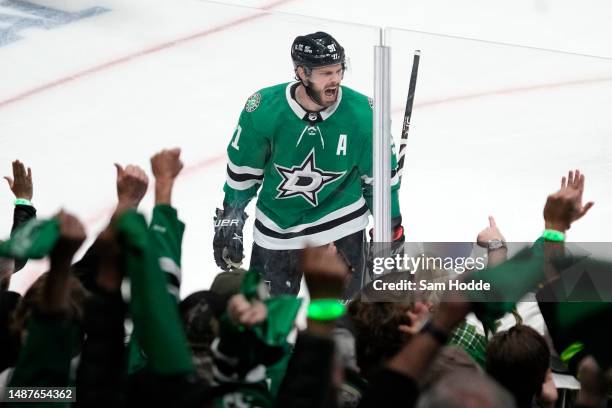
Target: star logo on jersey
{"type": "Point", "coordinates": [305, 180]}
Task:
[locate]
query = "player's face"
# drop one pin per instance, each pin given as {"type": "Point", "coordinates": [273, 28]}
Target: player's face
{"type": "Point", "coordinates": [325, 82]}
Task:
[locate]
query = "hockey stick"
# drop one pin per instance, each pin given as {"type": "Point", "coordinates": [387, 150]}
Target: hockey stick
{"type": "Point", "coordinates": [408, 113]}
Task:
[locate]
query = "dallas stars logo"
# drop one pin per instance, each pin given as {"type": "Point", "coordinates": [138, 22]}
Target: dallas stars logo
{"type": "Point", "coordinates": [253, 102]}
{"type": "Point", "coordinates": [305, 180]}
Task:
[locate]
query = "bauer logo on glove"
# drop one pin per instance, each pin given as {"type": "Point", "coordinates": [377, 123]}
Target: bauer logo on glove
{"type": "Point", "coordinates": [227, 243]}
{"type": "Point", "coordinates": [225, 222]}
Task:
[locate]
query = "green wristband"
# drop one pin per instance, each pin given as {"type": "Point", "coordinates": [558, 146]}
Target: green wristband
{"type": "Point", "coordinates": [571, 351]}
{"type": "Point", "coordinates": [553, 235]}
{"type": "Point", "coordinates": [23, 201]}
{"type": "Point", "coordinates": [325, 309]}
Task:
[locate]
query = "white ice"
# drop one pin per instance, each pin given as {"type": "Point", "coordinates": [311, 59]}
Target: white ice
{"type": "Point", "coordinates": [494, 127]}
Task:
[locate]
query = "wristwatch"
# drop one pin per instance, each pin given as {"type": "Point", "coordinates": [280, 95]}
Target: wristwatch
{"type": "Point", "coordinates": [494, 244]}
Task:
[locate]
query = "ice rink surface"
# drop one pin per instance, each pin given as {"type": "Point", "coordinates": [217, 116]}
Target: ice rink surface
{"type": "Point", "coordinates": [89, 83]}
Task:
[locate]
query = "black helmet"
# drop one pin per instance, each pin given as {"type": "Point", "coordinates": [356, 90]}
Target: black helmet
{"type": "Point", "coordinates": [316, 50]}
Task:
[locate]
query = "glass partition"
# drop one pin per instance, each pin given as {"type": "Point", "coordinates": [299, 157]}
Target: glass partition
{"type": "Point", "coordinates": [494, 128]}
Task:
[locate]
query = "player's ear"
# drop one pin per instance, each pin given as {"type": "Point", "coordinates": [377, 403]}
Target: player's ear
{"type": "Point", "coordinates": [300, 72]}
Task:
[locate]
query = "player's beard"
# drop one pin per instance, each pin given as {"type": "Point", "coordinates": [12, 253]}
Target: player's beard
{"type": "Point", "coordinates": [320, 97]}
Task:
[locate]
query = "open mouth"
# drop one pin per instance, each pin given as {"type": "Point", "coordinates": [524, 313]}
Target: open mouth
{"type": "Point", "coordinates": [331, 92]}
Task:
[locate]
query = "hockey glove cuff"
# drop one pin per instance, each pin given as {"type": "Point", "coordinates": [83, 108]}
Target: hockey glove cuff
{"type": "Point", "coordinates": [227, 243]}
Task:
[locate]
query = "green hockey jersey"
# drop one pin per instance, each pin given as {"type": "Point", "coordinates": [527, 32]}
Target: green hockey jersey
{"type": "Point", "coordinates": [313, 170]}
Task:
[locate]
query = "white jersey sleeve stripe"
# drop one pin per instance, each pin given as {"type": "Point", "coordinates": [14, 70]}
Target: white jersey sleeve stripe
{"type": "Point", "coordinates": [244, 169]}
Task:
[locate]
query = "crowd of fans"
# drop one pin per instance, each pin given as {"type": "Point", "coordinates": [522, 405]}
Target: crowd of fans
{"type": "Point", "coordinates": [113, 326]}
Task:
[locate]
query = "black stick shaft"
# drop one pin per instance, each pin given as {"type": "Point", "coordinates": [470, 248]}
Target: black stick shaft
{"type": "Point", "coordinates": [408, 112]}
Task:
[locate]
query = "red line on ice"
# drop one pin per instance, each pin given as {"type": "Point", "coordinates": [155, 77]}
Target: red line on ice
{"type": "Point", "coordinates": [507, 91]}
{"type": "Point", "coordinates": [142, 53]}
{"type": "Point", "coordinates": [188, 171]}
{"type": "Point", "coordinates": [194, 169]}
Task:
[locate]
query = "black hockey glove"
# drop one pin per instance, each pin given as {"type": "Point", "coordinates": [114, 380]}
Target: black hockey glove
{"type": "Point", "coordinates": [227, 244]}
{"type": "Point", "coordinates": [397, 237]}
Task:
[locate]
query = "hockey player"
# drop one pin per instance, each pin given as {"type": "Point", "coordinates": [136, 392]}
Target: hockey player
{"type": "Point", "coordinates": [307, 147]}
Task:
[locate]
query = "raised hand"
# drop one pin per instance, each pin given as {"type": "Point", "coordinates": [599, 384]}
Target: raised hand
{"type": "Point", "coordinates": [72, 236]}
{"type": "Point", "coordinates": [565, 206]}
{"type": "Point", "coordinates": [167, 164]}
{"type": "Point", "coordinates": [418, 314]}
{"type": "Point", "coordinates": [132, 183]}
{"type": "Point", "coordinates": [325, 271]}
{"type": "Point", "coordinates": [490, 233]}
{"type": "Point", "coordinates": [244, 313]}
{"type": "Point", "coordinates": [574, 186]}
{"type": "Point", "coordinates": [21, 182]}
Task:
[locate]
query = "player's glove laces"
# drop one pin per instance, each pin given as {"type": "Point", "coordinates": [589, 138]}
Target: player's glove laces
{"type": "Point", "coordinates": [227, 244]}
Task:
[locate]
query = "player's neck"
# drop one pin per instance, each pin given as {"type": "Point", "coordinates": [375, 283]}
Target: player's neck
{"type": "Point", "coordinates": [305, 101]}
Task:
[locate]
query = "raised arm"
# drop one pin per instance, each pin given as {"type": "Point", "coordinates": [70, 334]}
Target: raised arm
{"type": "Point", "coordinates": [44, 359]}
{"type": "Point", "coordinates": [21, 182]}
{"type": "Point", "coordinates": [166, 166]}
{"type": "Point", "coordinates": [132, 183]}
{"type": "Point", "coordinates": [22, 187]}
{"type": "Point", "coordinates": [72, 235]}
{"type": "Point", "coordinates": [101, 376]}
{"type": "Point", "coordinates": [565, 207]}
{"type": "Point", "coordinates": [308, 380]}
{"type": "Point", "coordinates": [492, 239]}
{"type": "Point", "coordinates": [166, 228]}
{"type": "Point", "coordinates": [397, 385]}
{"type": "Point", "coordinates": [561, 210]}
